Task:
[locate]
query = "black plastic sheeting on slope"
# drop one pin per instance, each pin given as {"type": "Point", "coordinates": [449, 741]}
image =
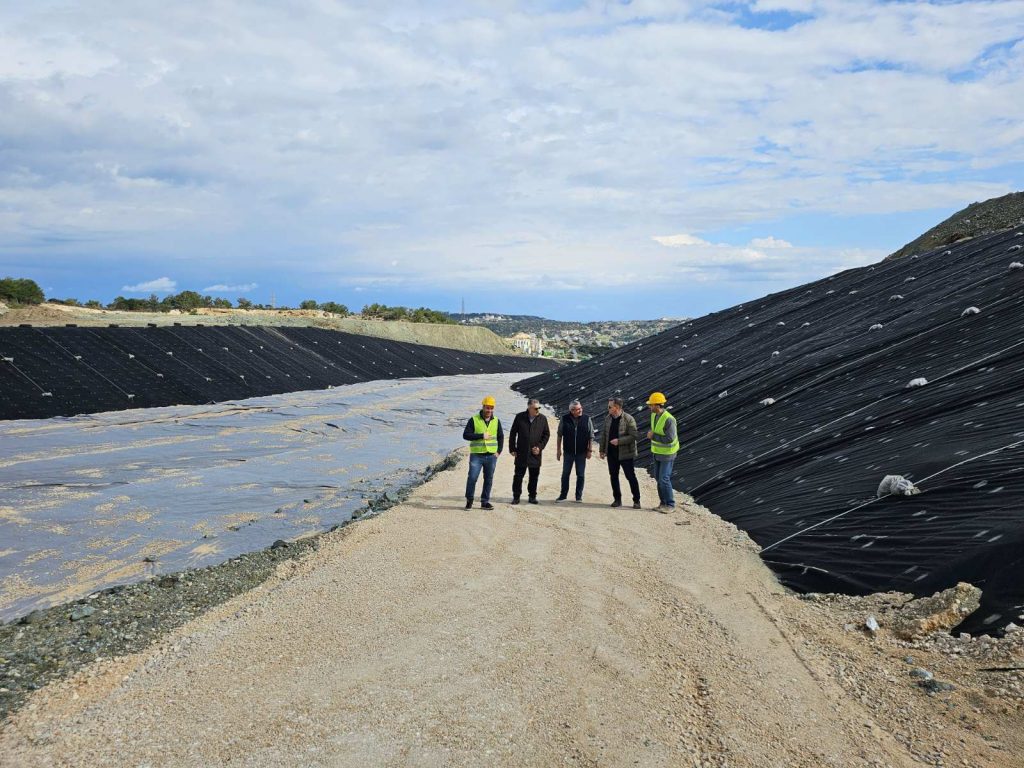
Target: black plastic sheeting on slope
{"type": "Point", "coordinates": [48, 372]}
{"type": "Point", "coordinates": [836, 356]}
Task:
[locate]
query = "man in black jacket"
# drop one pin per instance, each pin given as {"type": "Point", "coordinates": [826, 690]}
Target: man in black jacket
{"type": "Point", "coordinates": [526, 440]}
{"type": "Point", "coordinates": [575, 438]}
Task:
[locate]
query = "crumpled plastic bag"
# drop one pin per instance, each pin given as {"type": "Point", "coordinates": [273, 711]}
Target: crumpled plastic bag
{"type": "Point", "coordinates": [896, 485]}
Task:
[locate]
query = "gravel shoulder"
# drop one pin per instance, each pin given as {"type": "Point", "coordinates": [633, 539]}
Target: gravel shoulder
{"type": "Point", "coordinates": [531, 635]}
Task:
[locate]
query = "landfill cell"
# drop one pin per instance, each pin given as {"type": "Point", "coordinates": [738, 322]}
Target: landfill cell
{"type": "Point", "coordinates": [792, 409]}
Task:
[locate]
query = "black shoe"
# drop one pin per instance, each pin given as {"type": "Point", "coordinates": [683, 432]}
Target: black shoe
{"type": "Point", "coordinates": [561, 498]}
{"type": "Point", "coordinates": [636, 505]}
{"type": "Point", "coordinates": [486, 505]}
{"type": "Point", "coordinates": [534, 500]}
{"type": "Point", "coordinates": [579, 499]}
{"type": "Point", "coordinates": [515, 501]}
{"type": "Point", "coordinates": [469, 503]}
{"type": "Point", "coordinates": [616, 503]}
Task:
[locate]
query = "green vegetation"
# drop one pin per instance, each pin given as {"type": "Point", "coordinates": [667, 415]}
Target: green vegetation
{"type": "Point", "coordinates": [186, 301]}
{"type": "Point", "coordinates": [15, 291]}
{"type": "Point", "coordinates": [419, 315]}
{"type": "Point", "coordinates": [335, 309]}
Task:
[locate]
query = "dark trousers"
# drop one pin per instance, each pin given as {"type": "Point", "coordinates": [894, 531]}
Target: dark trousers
{"type": "Point", "coordinates": [628, 471]}
{"type": "Point", "coordinates": [517, 481]}
{"type": "Point", "coordinates": [570, 460]}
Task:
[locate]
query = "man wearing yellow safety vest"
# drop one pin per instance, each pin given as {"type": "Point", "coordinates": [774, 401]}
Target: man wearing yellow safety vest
{"type": "Point", "coordinates": [664, 446]}
{"type": "Point", "coordinates": [486, 441]}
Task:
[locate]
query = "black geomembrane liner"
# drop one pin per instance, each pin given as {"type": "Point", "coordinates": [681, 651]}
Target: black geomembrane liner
{"type": "Point", "coordinates": [50, 371]}
{"type": "Point", "coordinates": [836, 356]}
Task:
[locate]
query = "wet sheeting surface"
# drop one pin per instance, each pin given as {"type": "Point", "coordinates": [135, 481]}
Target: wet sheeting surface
{"type": "Point", "coordinates": [836, 356]}
{"type": "Point", "coordinates": [85, 501]}
{"type": "Point", "coordinates": [52, 371]}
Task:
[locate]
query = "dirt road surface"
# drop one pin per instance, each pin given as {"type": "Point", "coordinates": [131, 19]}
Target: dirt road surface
{"type": "Point", "coordinates": [533, 635]}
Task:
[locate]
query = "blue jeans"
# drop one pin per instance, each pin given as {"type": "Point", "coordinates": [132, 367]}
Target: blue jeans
{"type": "Point", "coordinates": [663, 474]}
{"type": "Point", "coordinates": [477, 461]}
{"type": "Point", "coordinates": [569, 460]}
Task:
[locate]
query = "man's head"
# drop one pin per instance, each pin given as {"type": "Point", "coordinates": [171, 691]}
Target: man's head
{"type": "Point", "coordinates": [576, 408]}
{"type": "Point", "coordinates": [656, 402]}
{"type": "Point", "coordinates": [615, 407]}
{"type": "Point", "coordinates": [487, 407]}
{"type": "Point", "coordinates": [533, 407]}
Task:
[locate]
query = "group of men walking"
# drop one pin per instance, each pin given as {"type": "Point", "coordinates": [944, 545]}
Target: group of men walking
{"type": "Point", "coordinates": [530, 433]}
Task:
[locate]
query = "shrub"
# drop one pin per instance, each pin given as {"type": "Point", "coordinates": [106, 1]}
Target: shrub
{"type": "Point", "coordinates": [20, 291]}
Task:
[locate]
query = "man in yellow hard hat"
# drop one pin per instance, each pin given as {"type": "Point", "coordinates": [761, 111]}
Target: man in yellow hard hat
{"type": "Point", "coordinates": [486, 440]}
{"type": "Point", "coordinates": [664, 439]}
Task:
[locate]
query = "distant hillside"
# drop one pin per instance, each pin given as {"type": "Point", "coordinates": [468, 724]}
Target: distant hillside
{"type": "Point", "coordinates": [993, 215]}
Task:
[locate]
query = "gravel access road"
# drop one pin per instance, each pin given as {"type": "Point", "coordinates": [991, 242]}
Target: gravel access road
{"type": "Point", "coordinates": [540, 635]}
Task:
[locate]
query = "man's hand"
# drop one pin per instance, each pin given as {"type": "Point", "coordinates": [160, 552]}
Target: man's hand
{"type": "Point", "coordinates": [614, 441]}
{"type": "Point", "coordinates": [650, 434]}
{"type": "Point", "coordinates": [601, 454]}
{"type": "Point", "coordinates": [512, 454]}
{"type": "Point", "coordinates": [589, 454]}
{"type": "Point", "coordinates": [558, 455]}
{"type": "Point", "coordinates": [535, 451]}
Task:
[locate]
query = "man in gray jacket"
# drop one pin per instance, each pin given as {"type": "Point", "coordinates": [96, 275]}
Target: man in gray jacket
{"type": "Point", "coordinates": [618, 443]}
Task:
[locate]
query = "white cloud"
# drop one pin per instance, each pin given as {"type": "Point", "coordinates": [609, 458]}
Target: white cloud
{"type": "Point", "coordinates": [679, 241]}
{"type": "Point", "coordinates": [769, 242]}
{"type": "Point", "coordinates": [160, 285]}
{"type": "Point", "coordinates": [221, 288]}
{"type": "Point", "coordinates": [325, 145]}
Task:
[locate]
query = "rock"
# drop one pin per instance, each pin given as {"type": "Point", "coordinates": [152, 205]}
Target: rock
{"type": "Point", "coordinates": [33, 618]}
{"type": "Point", "coordinates": [82, 612]}
{"type": "Point", "coordinates": [871, 623]}
{"type": "Point", "coordinates": [936, 686]}
{"type": "Point", "coordinates": [167, 582]}
{"type": "Point", "coordinates": [279, 544]}
{"type": "Point", "coordinates": [921, 674]}
{"type": "Point", "coordinates": [942, 611]}
{"type": "Point", "coordinates": [95, 631]}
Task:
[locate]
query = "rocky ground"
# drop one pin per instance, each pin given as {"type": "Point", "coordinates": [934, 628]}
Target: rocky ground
{"type": "Point", "coordinates": [979, 218]}
{"type": "Point", "coordinates": [570, 634]}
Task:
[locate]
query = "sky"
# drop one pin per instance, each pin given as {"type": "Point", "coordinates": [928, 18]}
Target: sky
{"type": "Point", "coordinates": [575, 160]}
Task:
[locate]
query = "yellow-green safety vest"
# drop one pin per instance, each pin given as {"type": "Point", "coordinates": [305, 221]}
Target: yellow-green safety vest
{"type": "Point", "coordinates": [658, 428]}
{"type": "Point", "coordinates": [489, 444]}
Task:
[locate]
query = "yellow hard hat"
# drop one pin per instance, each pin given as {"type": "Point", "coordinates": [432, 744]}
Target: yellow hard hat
{"type": "Point", "coordinates": [656, 398]}
{"type": "Point", "coordinates": [488, 401]}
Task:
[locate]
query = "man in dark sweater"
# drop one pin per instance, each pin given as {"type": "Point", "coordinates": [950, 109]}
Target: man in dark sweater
{"type": "Point", "coordinates": [526, 441]}
{"type": "Point", "coordinates": [574, 442]}
{"type": "Point", "coordinates": [486, 439]}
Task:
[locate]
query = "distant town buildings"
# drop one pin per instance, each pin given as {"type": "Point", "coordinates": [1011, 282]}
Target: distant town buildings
{"type": "Point", "coordinates": [527, 343]}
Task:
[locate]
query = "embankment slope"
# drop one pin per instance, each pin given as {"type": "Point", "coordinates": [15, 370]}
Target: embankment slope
{"type": "Point", "coordinates": [63, 371]}
{"type": "Point", "coordinates": [449, 336]}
